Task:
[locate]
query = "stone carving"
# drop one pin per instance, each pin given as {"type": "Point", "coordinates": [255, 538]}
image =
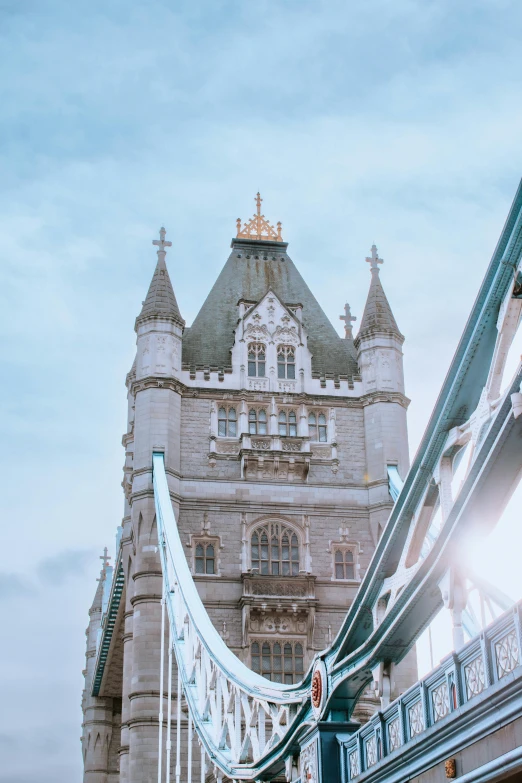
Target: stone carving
{"type": "Point", "coordinates": [227, 448]}
{"type": "Point", "coordinates": [258, 384]}
{"type": "Point", "coordinates": [263, 445]}
{"type": "Point", "coordinates": [145, 357]}
{"type": "Point", "coordinates": [257, 331]}
{"type": "Point", "coordinates": [286, 334]}
{"type": "Point", "coordinates": [161, 353]}
{"type": "Point", "coordinates": [287, 386]}
{"type": "Point", "coordinates": [268, 588]}
{"type": "Point", "coordinates": [274, 622]}
{"type": "Point", "coordinates": [289, 445]}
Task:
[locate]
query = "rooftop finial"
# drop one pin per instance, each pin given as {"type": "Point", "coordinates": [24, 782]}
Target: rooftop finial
{"type": "Point", "coordinates": [161, 244]}
{"type": "Point", "coordinates": [105, 564]}
{"type": "Point", "coordinates": [347, 318]}
{"type": "Point", "coordinates": [374, 261]}
{"type": "Point", "coordinates": [258, 226]}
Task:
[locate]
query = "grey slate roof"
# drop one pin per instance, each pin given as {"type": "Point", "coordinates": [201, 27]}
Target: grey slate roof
{"type": "Point", "coordinates": [377, 316]}
{"type": "Point", "coordinates": [253, 268]}
{"type": "Point", "coordinates": [160, 300]}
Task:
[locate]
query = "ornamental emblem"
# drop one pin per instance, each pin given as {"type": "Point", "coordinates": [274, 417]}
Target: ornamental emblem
{"type": "Point", "coordinates": [318, 688]}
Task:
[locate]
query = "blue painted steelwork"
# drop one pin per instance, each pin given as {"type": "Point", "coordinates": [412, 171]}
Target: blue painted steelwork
{"type": "Point", "coordinates": [490, 662]}
{"type": "Point", "coordinates": [395, 483]}
{"type": "Point", "coordinates": [108, 623]}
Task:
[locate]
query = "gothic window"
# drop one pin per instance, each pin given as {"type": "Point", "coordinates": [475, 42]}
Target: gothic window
{"type": "Point", "coordinates": [227, 423]}
{"type": "Point", "coordinates": [257, 421]}
{"type": "Point", "coordinates": [317, 427]}
{"type": "Point", "coordinates": [204, 558]}
{"type": "Point", "coordinates": [344, 563]}
{"type": "Point", "coordinates": [278, 661]}
{"type": "Point", "coordinates": [288, 423]}
{"type": "Point", "coordinates": [274, 549]}
{"type": "Point", "coordinates": [286, 361]}
{"type": "Point", "coordinates": [256, 360]}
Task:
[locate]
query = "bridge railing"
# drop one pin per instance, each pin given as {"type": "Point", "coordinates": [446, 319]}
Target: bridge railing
{"type": "Point", "coordinates": [238, 714]}
{"type": "Point", "coordinates": [461, 677]}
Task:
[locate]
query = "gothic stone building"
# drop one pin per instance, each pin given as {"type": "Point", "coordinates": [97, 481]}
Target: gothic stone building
{"type": "Point", "coordinates": [278, 436]}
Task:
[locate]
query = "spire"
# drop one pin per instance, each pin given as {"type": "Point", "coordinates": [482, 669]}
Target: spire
{"type": "Point", "coordinates": [98, 596]}
{"type": "Point", "coordinates": [160, 301]}
{"type": "Point", "coordinates": [377, 316]}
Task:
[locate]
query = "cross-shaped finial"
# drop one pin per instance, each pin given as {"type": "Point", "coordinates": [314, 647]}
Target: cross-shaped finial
{"type": "Point", "coordinates": [374, 260]}
{"type": "Point", "coordinates": [161, 244]}
{"type": "Point", "coordinates": [347, 318]}
{"type": "Point", "coordinates": [105, 557]}
{"type": "Point", "coordinates": [258, 201]}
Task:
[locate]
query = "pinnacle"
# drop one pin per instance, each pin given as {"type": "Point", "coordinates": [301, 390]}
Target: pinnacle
{"type": "Point", "coordinates": [160, 300]}
{"type": "Point", "coordinates": [377, 316]}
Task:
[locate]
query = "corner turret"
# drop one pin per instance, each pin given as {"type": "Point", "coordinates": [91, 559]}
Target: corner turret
{"type": "Point", "coordinates": [159, 325]}
{"type": "Point", "coordinates": [379, 351]}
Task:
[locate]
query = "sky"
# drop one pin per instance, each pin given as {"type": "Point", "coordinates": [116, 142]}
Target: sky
{"type": "Point", "coordinates": [397, 123]}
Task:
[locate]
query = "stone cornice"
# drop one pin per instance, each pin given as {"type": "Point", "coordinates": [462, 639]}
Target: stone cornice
{"type": "Point", "coordinates": [213, 393]}
{"type": "Point", "coordinates": [384, 396]}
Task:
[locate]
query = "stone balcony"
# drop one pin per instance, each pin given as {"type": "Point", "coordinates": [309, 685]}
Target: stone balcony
{"type": "Point", "coordinates": [278, 604]}
{"type": "Point", "coordinates": [273, 457]}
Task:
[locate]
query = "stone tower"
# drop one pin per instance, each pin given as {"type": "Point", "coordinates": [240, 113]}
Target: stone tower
{"type": "Point", "coordinates": [277, 435]}
{"type": "Point", "coordinates": [379, 352]}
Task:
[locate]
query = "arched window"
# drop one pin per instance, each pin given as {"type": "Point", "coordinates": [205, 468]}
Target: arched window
{"type": "Point", "coordinates": [274, 549]}
{"type": "Point", "coordinates": [205, 559]}
{"type": "Point", "coordinates": [317, 427]}
{"type": "Point", "coordinates": [278, 661]}
{"type": "Point", "coordinates": [288, 424]}
{"type": "Point", "coordinates": [227, 423]}
{"type": "Point", "coordinates": [344, 564]}
{"type": "Point", "coordinates": [257, 422]}
{"type": "Point", "coordinates": [286, 361]}
{"type": "Point", "coordinates": [256, 360]}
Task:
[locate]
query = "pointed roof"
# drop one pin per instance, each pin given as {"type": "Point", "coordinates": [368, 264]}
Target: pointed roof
{"type": "Point", "coordinates": [254, 267]}
{"type": "Point", "coordinates": [377, 316]}
{"type": "Point", "coordinates": [160, 301]}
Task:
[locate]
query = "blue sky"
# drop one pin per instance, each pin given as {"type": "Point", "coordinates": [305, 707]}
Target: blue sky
{"type": "Point", "coordinates": [390, 122]}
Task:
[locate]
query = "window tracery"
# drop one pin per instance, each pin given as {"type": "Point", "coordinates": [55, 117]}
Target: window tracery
{"type": "Point", "coordinates": [227, 422]}
{"type": "Point", "coordinates": [286, 362]}
{"type": "Point", "coordinates": [256, 360]}
{"type": "Point", "coordinates": [274, 550]}
{"type": "Point", "coordinates": [287, 423]}
{"type": "Point", "coordinates": [317, 426]}
{"type": "Point", "coordinates": [279, 661]}
{"type": "Point", "coordinates": [257, 421]}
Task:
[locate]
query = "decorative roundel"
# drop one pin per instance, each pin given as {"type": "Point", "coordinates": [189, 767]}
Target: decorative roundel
{"type": "Point", "coordinates": [318, 687]}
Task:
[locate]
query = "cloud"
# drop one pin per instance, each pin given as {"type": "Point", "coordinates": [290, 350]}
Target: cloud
{"type": "Point", "coordinates": [58, 569]}
{"type": "Point", "coordinates": [13, 586]}
{"type": "Point", "coordinates": [366, 121]}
